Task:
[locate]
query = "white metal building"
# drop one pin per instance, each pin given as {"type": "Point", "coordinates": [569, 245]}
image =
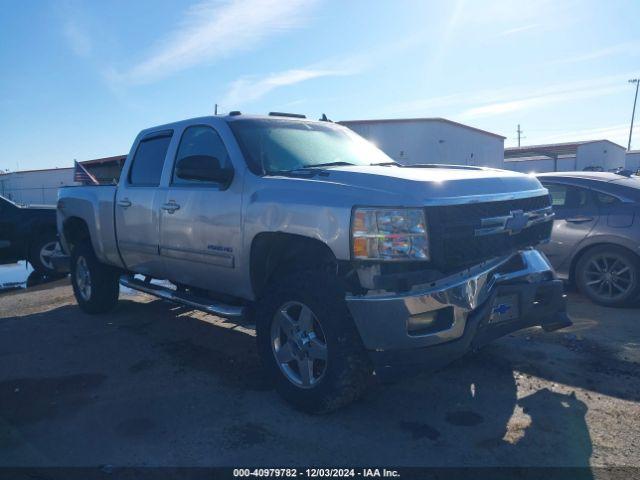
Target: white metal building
{"type": "Point", "coordinates": [563, 157]}
{"type": "Point", "coordinates": [632, 160]}
{"type": "Point", "coordinates": [35, 186]}
{"type": "Point", "coordinates": [432, 140]}
{"type": "Point", "coordinates": [31, 187]}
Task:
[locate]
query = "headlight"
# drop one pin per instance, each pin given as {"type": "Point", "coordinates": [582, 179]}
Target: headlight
{"type": "Point", "coordinates": [389, 234]}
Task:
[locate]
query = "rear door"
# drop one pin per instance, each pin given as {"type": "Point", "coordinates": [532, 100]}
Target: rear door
{"type": "Point", "coordinates": [576, 215]}
{"type": "Point", "coordinates": [137, 208]}
{"type": "Point", "coordinates": [619, 214]}
{"type": "Point", "coordinates": [200, 220]}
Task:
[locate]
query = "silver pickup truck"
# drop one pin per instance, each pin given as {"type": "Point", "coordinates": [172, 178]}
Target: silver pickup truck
{"type": "Point", "coordinates": [347, 262]}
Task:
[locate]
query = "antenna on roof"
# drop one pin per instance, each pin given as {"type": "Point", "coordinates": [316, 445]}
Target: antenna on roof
{"type": "Point", "coordinates": [324, 118]}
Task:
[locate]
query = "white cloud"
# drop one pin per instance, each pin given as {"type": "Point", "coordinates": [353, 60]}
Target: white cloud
{"type": "Point", "coordinates": [523, 28]}
{"type": "Point", "coordinates": [545, 99]}
{"type": "Point", "coordinates": [74, 23]}
{"type": "Point", "coordinates": [616, 133]}
{"type": "Point", "coordinates": [499, 101]}
{"type": "Point", "coordinates": [212, 30]}
{"type": "Point", "coordinates": [79, 41]}
{"type": "Point", "coordinates": [628, 48]}
{"type": "Point", "coordinates": [250, 88]}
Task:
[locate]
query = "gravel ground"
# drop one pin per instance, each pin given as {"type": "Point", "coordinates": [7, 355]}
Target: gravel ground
{"type": "Point", "coordinates": [155, 384]}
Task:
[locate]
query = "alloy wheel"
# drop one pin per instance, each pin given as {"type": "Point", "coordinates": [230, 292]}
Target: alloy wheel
{"type": "Point", "coordinates": [299, 344]}
{"type": "Point", "coordinates": [46, 252]}
{"type": "Point", "coordinates": [83, 278]}
{"type": "Point", "coordinates": [609, 276]}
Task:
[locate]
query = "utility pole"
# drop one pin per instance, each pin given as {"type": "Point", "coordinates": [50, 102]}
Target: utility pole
{"type": "Point", "coordinates": [520, 132]}
{"type": "Point", "coordinates": [633, 113]}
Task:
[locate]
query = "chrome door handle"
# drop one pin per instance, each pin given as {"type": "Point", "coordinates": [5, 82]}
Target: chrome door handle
{"type": "Point", "coordinates": [578, 219]}
{"type": "Point", "coordinates": [171, 207]}
{"type": "Point", "coordinates": [124, 203]}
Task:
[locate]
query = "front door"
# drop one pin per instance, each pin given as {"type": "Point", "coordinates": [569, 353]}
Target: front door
{"type": "Point", "coordinates": [576, 215]}
{"type": "Point", "coordinates": [200, 218]}
{"type": "Point", "coordinates": [137, 208]}
{"type": "Point", "coordinates": [8, 220]}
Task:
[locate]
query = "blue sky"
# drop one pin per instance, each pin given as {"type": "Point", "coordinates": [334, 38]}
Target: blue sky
{"type": "Point", "coordinates": [80, 79]}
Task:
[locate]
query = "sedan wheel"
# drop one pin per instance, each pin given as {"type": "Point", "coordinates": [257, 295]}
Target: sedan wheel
{"type": "Point", "coordinates": [609, 276]}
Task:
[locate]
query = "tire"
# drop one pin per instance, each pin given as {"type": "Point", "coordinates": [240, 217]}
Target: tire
{"type": "Point", "coordinates": [609, 275]}
{"type": "Point", "coordinates": [328, 384]}
{"type": "Point", "coordinates": [95, 285]}
{"type": "Point", "coordinates": [40, 252]}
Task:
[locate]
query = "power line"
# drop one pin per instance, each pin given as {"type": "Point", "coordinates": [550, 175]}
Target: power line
{"type": "Point", "coordinates": [520, 132]}
{"type": "Point", "coordinates": [633, 113]}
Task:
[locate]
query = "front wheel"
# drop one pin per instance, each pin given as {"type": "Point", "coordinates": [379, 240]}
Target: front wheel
{"type": "Point", "coordinates": [609, 275]}
{"type": "Point", "coordinates": [95, 285]}
{"type": "Point", "coordinates": [309, 344]}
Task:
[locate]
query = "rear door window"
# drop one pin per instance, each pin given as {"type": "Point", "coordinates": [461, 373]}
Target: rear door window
{"type": "Point", "coordinates": [567, 196]}
{"type": "Point", "coordinates": [606, 200]}
{"type": "Point", "coordinates": [148, 161]}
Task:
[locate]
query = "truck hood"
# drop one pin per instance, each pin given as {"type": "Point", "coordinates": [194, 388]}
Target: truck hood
{"type": "Point", "coordinates": [436, 185]}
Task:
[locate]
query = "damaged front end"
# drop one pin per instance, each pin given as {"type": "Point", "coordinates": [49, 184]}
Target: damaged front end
{"type": "Point", "coordinates": [433, 323]}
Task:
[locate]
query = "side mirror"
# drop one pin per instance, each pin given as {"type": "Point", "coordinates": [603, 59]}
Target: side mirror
{"type": "Point", "coordinates": [203, 168]}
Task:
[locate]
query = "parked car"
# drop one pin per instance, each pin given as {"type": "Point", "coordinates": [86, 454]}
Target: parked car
{"type": "Point", "coordinates": [596, 234]}
{"type": "Point", "coordinates": [346, 261]}
{"type": "Point", "coordinates": [622, 171]}
{"type": "Point", "coordinates": [28, 233]}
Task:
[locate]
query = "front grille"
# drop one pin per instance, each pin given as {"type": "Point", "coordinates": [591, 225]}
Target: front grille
{"type": "Point", "coordinates": [453, 241]}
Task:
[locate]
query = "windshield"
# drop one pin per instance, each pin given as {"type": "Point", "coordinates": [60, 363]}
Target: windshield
{"type": "Point", "coordinates": [272, 145]}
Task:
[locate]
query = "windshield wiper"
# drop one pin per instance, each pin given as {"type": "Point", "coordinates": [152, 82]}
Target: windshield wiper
{"type": "Point", "coordinates": [328, 164]}
{"type": "Point", "coordinates": [392, 162]}
{"type": "Point", "coordinates": [305, 168]}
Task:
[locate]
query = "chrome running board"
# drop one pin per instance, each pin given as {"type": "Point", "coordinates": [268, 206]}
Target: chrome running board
{"type": "Point", "coordinates": [198, 303]}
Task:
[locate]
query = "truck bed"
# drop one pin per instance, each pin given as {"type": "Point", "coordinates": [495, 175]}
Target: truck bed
{"type": "Point", "coordinates": [95, 206]}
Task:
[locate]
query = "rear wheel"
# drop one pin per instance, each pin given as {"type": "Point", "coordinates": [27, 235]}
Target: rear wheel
{"type": "Point", "coordinates": [309, 344]}
{"type": "Point", "coordinates": [609, 275]}
{"type": "Point", "coordinates": [95, 285]}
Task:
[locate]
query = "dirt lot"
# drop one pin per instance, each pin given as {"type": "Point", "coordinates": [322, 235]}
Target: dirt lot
{"type": "Point", "coordinates": [154, 384]}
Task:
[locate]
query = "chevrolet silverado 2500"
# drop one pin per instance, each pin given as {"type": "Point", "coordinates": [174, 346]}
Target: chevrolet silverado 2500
{"type": "Point", "coordinates": [347, 262]}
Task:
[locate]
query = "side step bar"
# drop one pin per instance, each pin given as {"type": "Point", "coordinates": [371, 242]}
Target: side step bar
{"type": "Point", "coordinates": [199, 303]}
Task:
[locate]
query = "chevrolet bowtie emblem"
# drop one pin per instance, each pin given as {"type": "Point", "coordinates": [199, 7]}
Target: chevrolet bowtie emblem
{"type": "Point", "coordinates": [514, 223]}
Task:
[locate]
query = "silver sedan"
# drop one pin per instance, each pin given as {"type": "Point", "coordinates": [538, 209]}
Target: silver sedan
{"type": "Point", "coordinates": [595, 242]}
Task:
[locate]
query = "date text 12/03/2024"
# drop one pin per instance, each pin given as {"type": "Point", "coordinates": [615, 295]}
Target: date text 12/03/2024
{"type": "Point", "coordinates": [316, 472]}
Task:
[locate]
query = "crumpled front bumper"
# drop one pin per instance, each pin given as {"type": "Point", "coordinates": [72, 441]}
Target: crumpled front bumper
{"type": "Point", "coordinates": [469, 299]}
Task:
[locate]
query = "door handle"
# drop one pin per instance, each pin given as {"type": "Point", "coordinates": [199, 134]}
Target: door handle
{"type": "Point", "coordinates": [171, 207]}
{"type": "Point", "coordinates": [578, 219]}
{"type": "Point", "coordinates": [124, 203]}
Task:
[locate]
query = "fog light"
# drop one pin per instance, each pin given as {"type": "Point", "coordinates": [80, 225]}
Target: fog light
{"type": "Point", "coordinates": [421, 321]}
{"type": "Point", "coordinates": [429, 322]}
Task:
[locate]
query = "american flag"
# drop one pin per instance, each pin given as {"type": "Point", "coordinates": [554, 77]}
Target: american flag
{"type": "Point", "coordinates": [80, 174]}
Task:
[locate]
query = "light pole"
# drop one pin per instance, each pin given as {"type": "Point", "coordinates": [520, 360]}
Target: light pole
{"type": "Point", "coordinates": [633, 113]}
